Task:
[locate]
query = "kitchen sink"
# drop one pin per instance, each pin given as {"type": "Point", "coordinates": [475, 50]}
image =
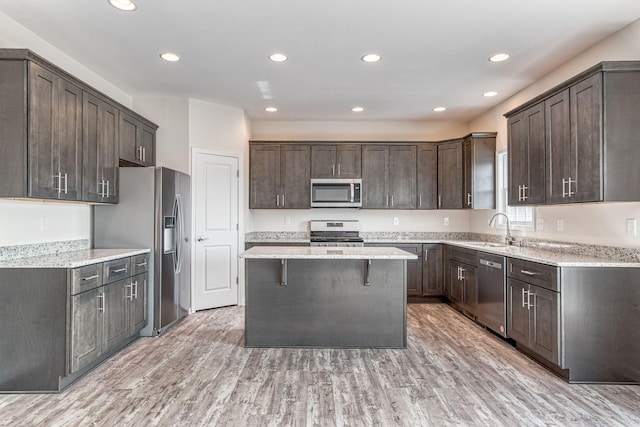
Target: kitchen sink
{"type": "Point", "coordinates": [487, 244]}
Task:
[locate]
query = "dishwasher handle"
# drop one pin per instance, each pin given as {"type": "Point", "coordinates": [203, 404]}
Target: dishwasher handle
{"type": "Point", "coordinates": [491, 264]}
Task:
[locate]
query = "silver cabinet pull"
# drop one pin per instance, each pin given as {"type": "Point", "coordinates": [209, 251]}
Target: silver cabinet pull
{"type": "Point", "coordinates": [367, 272]}
{"type": "Point", "coordinates": [129, 287]}
{"type": "Point", "coordinates": [277, 200]}
{"type": "Point", "coordinates": [524, 294]}
{"type": "Point", "coordinates": [468, 199]}
{"type": "Point", "coordinates": [571, 181]}
{"type": "Point", "coordinates": [65, 183]}
{"type": "Point", "coordinates": [528, 273]}
{"type": "Point", "coordinates": [439, 200]}
{"type": "Point", "coordinates": [119, 270]}
{"type": "Point", "coordinates": [529, 305]}
{"type": "Point", "coordinates": [420, 201]}
{"type": "Point", "coordinates": [392, 200]}
{"type": "Point", "coordinates": [283, 203]}
{"type": "Point", "coordinates": [101, 307]}
{"type": "Point", "coordinates": [283, 272]}
{"type": "Point", "coordinates": [333, 169]}
{"type": "Point", "coordinates": [107, 188]}
{"type": "Point", "coordinates": [524, 193]}
{"type": "Point", "coordinates": [461, 273]}
{"type": "Point", "coordinates": [142, 264]}
{"type": "Point", "coordinates": [564, 184]}
{"type": "Point", "coordinates": [339, 169]}
{"type": "Point", "coordinates": [95, 276]}
{"type": "Point", "coordinates": [144, 154]}
{"type": "Point", "coordinates": [387, 201]}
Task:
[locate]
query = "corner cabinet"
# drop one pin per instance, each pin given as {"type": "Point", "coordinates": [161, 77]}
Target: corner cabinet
{"type": "Point", "coordinates": [479, 163]}
{"type": "Point", "coordinates": [59, 137]}
{"type": "Point", "coordinates": [581, 135]}
{"type": "Point", "coordinates": [59, 323]}
{"type": "Point", "coordinates": [279, 176]}
{"type": "Point", "coordinates": [450, 176]}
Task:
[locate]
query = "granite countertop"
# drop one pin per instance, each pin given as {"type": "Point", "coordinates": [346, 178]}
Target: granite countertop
{"type": "Point", "coordinates": [558, 258]}
{"type": "Point", "coordinates": [72, 259]}
{"type": "Point", "coordinates": [543, 256]}
{"type": "Point", "coordinates": [321, 252]}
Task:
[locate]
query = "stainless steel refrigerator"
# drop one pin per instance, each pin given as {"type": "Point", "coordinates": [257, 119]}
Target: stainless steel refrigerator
{"type": "Point", "coordinates": [154, 212]}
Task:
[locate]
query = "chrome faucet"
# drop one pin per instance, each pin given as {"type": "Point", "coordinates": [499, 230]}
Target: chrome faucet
{"type": "Point", "coordinates": [508, 239]}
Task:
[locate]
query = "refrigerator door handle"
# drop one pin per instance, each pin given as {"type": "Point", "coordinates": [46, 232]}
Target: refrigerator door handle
{"type": "Point", "coordinates": [178, 212]}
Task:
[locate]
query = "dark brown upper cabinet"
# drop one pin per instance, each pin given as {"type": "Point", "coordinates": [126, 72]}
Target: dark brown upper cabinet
{"type": "Point", "coordinates": [450, 176]}
{"type": "Point", "coordinates": [137, 140]}
{"type": "Point", "coordinates": [591, 149]}
{"type": "Point", "coordinates": [59, 137]}
{"type": "Point", "coordinates": [479, 162]}
{"type": "Point", "coordinates": [279, 176]}
{"type": "Point", "coordinates": [336, 161]}
{"type": "Point", "coordinates": [389, 176]}
{"type": "Point", "coordinates": [427, 176]}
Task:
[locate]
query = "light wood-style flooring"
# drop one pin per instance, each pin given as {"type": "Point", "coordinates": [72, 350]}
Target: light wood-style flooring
{"type": "Point", "coordinates": [199, 374]}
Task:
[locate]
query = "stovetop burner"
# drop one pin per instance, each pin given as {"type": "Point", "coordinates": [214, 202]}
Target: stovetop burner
{"type": "Point", "coordinates": [335, 233]}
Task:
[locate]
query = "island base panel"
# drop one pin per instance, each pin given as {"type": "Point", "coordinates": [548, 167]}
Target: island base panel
{"type": "Point", "coordinates": [325, 303]}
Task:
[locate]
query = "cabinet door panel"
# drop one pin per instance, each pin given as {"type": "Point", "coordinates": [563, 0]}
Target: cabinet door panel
{"type": "Point", "coordinates": [375, 172]}
{"type": "Point", "coordinates": [427, 176]}
{"type": "Point", "coordinates": [264, 176]}
{"type": "Point", "coordinates": [470, 287]}
{"type": "Point", "coordinates": [349, 160]}
{"type": "Point", "coordinates": [147, 143]}
{"type": "Point", "coordinates": [517, 311]}
{"type": "Point", "coordinates": [138, 304]}
{"type": "Point", "coordinates": [116, 316]}
{"type": "Point", "coordinates": [586, 140]}
{"type": "Point", "coordinates": [456, 289]}
{"type": "Point", "coordinates": [467, 166]}
{"type": "Point", "coordinates": [295, 178]}
{"type": "Point", "coordinates": [558, 147]}
{"type": "Point", "coordinates": [518, 158]}
{"type": "Point", "coordinates": [128, 138]}
{"type": "Point", "coordinates": [108, 149]}
{"type": "Point", "coordinates": [544, 323]}
{"type": "Point", "coordinates": [450, 175]}
{"type": "Point", "coordinates": [86, 328]}
{"type": "Point", "coordinates": [323, 161]}
{"type": "Point", "coordinates": [432, 284]}
{"type": "Point", "coordinates": [402, 177]}
{"type": "Point", "coordinates": [70, 140]}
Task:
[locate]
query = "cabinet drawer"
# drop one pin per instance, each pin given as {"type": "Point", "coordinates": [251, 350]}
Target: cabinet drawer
{"type": "Point", "coordinates": [468, 256]}
{"type": "Point", "coordinates": [139, 264]}
{"type": "Point", "coordinates": [85, 278]}
{"type": "Point", "coordinates": [545, 276]}
{"type": "Point", "coordinates": [116, 269]}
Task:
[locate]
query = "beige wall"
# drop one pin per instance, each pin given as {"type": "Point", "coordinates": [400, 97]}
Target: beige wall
{"type": "Point", "coordinates": [603, 224]}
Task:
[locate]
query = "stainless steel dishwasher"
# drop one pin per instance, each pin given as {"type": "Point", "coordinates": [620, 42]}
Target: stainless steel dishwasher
{"type": "Point", "coordinates": [492, 305]}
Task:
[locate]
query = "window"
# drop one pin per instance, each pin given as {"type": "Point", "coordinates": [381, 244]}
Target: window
{"type": "Point", "coordinates": [521, 217]}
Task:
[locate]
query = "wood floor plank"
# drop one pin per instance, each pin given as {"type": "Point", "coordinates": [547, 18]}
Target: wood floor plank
{"type": "Point", "coordinates": [199, 374]}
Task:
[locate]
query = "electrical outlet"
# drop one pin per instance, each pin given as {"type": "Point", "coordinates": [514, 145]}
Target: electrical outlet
{"type": "Point", "coordinates": [44, 223]}
{"type": "Point", "coordinates": [632, 227]}
{"type": "Point", "coordinates": [560, 224]}
{"type": "Point", "coordinates": [540, 224]}
{"type": "Point", "coordinates": [287, 220]}
{"type": "Point", "coordinates": [446, 221]}
{"type": "Point", "coordinates": [396, 221]}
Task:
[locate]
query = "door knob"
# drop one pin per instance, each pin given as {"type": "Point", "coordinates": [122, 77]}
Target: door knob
{"type": "Point", "coordinates": [201, 239]}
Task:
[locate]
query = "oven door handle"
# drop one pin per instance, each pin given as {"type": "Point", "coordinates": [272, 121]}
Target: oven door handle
{"type": "Point", "coordinates": [353, 191]}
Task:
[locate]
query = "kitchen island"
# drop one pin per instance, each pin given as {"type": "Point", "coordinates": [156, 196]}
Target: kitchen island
{"type": "Point", "coordinates": [344, 297]}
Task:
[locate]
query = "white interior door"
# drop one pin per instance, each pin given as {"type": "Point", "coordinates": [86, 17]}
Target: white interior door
{"type": "Point", "coordinates": [215, 203]}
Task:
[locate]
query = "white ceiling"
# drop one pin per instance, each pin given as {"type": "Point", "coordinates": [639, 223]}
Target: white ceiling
{"type": "Point", "coordinates": [433, 52]}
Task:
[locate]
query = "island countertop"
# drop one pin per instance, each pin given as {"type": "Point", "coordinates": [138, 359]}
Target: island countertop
{"type": "Point", "coordinates": [323, 252]}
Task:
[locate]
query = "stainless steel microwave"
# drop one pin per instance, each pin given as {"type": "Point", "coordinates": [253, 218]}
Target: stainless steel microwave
{"type": "Point", "coordinates": [336, 193]}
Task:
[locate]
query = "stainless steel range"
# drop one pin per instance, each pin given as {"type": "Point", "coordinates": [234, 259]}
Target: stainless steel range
{"type": "Point", "coordinates": [335, 233]}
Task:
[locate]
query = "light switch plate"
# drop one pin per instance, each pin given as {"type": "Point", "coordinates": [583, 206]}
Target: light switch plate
{"type": "Point", "coordinates": [446, 221]}
{"type": "Point", "coordinates": [540, 224]}
{"type": "Point", "coordinates": [396, 221]}
{"type": "Point", "coordinates": [560, 224]}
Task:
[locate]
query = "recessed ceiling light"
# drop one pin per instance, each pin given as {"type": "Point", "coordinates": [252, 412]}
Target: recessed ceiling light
{"type": "Point", "coordinates": [170, 57]}
{"type": "Point", "coordinates": [438, 109]}
{"type": "Point", "coordinates": [126, 5]}
{"type": "Point", "coordinates": [499, 57]}
{"type": "Point", "coordinates": [357, 109]}
{"type": "Point", "coordinates": [271, 109]}
{"type": "Point", "coordinates": [371, 57]}
{"type": "Point", "coordinates": [490, 94]}
{"type": "Point", "coordinates": [278, 57]}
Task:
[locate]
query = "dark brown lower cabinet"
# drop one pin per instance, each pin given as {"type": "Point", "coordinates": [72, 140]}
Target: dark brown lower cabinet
{"type": "Point", "coordinates": [432, 284]}
{"type": "Point", "coordinates": [463, 286]}
{"type": "Point", "coordinates": [532, 318]}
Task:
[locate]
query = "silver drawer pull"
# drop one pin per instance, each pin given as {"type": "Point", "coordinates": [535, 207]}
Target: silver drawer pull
{"type": "Point", "coordinates": [91, 277]}
{"type": "Point", "coordinates": [142, 264]}
{"type": "Point", "coordinates": [528, 273]}
{"type": "Point", "coordinates": [120, 270]}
